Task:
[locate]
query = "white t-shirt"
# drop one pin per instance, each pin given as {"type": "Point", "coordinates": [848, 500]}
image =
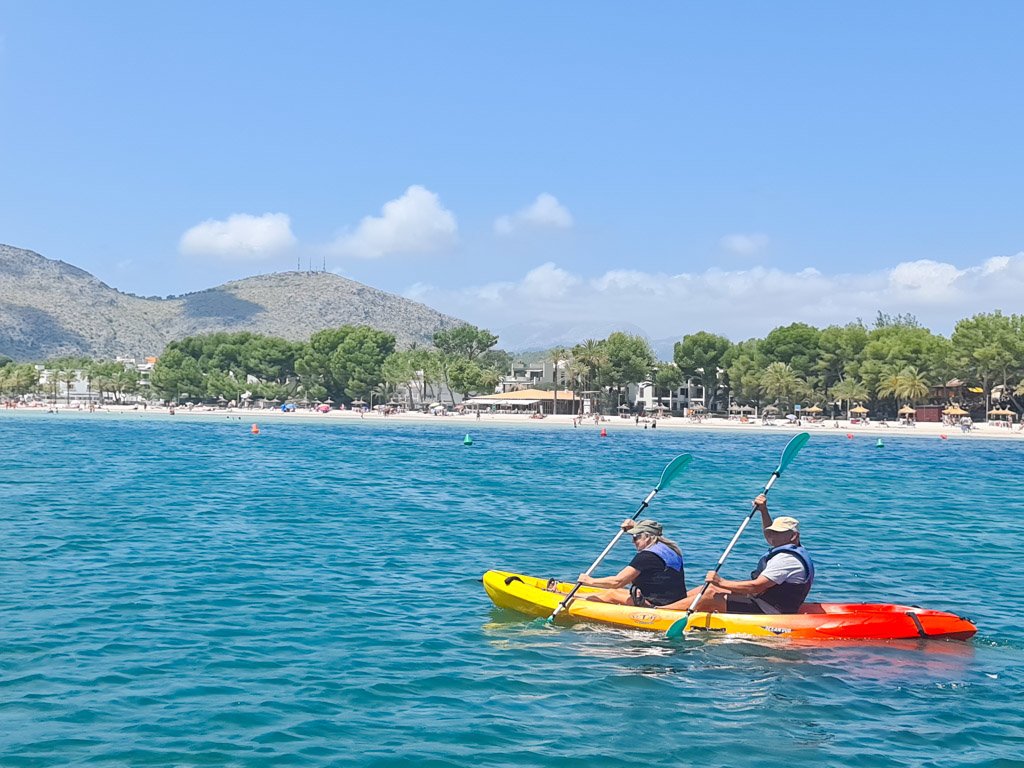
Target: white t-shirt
{"type": "Point", "coordinates": [785, 569]}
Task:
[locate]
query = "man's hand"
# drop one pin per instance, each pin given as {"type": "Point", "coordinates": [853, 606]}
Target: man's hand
{"type": "Point", "coordinates": [761, 503]}
{"type": "Point", "coordinates": [584, 579]}
{"type": "Point", "coordinates": [627, 524]}
{"type": "Point", "coordinates": [713, 578]}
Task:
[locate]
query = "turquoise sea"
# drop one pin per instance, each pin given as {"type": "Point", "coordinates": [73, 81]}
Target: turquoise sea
{"type": "Point", "coordinates": [181, 592]}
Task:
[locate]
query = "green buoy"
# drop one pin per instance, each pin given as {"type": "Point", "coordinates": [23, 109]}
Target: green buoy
{"type": "Point", "coordinates": [879, 444]}
{"type": "Point", "coordinates": [467, 440]}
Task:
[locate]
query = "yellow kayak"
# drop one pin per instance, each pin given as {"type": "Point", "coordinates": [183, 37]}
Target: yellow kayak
{"type": "Point", "coordinates": [816, 621]}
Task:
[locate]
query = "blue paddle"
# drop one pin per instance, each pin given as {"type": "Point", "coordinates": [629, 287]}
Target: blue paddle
{"type": "Point", "coordinates": [673, 468]}
{"type": "Point", "coordinates": [792, 449]}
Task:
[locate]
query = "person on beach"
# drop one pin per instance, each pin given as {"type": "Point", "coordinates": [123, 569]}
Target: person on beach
{"type": "Point", "coordinates": [654, 576]}
{"type": "Point", "coordinates": [780, 582]}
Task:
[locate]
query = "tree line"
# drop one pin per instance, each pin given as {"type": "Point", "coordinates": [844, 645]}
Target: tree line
{"type": "Point", "coordinates": [108, 378]}
{"type": "Point", "coordinates": [895, 361]}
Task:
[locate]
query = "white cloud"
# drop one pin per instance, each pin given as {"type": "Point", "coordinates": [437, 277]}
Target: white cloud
{"type": "Point", "coordinates": [547, 282]}
{"type": "Point", "coordinates": [416, 222]}
{"type": "Point", "coordinates": [738, 303]}
{"type": "Point", "coordinates": [544, 212]}
{"type": "Point", "coordinates": [241, 237]}
{"type": "Point", "coordinates": [744, 245]}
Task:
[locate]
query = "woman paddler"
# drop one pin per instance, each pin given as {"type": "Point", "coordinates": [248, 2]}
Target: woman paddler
{"type": "Point", "coordinates": [655, 575]}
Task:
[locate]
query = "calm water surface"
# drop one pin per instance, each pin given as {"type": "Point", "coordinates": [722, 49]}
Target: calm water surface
{"type": "Point", "coordinates": [180, 592]}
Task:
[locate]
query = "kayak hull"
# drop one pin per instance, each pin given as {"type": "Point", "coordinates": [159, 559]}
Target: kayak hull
{"type": "Point", "coordinates": [816, 621]}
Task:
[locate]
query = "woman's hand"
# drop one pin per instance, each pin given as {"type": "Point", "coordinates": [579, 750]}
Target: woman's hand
{"type": "Point", "coordinates": [627, 524]}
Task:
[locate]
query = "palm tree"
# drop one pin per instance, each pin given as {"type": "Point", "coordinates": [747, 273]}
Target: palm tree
{"type": "Point", "coordinates": [574, 374]}
{"type": "Point", "coordinates": [781, 382]}
{"type": "Point", "coordinates": [850, 390]}
{"type": "Point", "coordinates": [591, 356]}
{"type": "Point", "coordinates": [891, 385]}
{"type": "Point", "coordinates": [558, 357]}
{"type": "Point", "coordinates": [914, 385]}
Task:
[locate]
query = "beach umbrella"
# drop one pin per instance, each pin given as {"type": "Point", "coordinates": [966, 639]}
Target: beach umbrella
{"type": "Point", "coordinates": [358, 402]}
{"type": "Point", "coordinates": [697, 407]}
{"type": "Point", "coordinates": [623, 407]}
{"type": "Point", "coordinates": [955, 410]}
{"type": "Point", "coordinates": [907, 410]}
{"type": "Point", "coordinates": [771, 409]}
{"type": "Point", "coordinates": [329, 401]}
{"type": "Point", "coordinates": [860, 409]}
{"type": "Point", "coordinates": [812, 409]}
{"type": "Point", "coordinates": [747, 409]}
{"type": "Point", "coordinates": [435, 405]}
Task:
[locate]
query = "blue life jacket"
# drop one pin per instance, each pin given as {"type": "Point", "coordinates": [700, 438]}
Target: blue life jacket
{"type": "Point", "coordinates": [672, 558]}
{"type": "Point", "coordinates": [664, 586]}
{"type": "Point", "coordinates": [787, 598]}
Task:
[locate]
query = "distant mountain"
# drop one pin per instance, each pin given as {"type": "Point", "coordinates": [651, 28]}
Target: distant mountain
{"type": "Point", "coordinates": [539, 336]}
{"type": "Point", "coordinates": [49, 308]}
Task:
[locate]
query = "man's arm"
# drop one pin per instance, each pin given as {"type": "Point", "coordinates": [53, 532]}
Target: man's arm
{"type": "Point", "coordinates": [748, 588]}
{"type": "Point", "coordinates": [761, 503]}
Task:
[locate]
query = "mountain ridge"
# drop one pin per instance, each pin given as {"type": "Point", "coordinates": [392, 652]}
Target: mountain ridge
{"type": "Point", "coordinates": [50, 308]}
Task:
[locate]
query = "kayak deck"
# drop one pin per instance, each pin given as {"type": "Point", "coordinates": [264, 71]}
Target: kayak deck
{"type": "Point", "coordinates": [815, 621]}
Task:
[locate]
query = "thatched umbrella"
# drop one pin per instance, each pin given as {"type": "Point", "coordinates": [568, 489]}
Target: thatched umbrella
{"type": "Point", "coordinates": [907, 410]}
{"type": "Point", "coordinates": [1005, 412]}
{"type": "Point", "coordinates": [955, 410]}
{"type": "Point", "coordinates": [860, 410]}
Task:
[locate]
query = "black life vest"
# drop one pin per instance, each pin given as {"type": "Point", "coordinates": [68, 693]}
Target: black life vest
{"type": "Point", "coordinates": [787, 598]}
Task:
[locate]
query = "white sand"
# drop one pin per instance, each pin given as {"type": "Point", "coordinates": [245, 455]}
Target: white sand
{"type": "Point", "coordinates": [469, 421]}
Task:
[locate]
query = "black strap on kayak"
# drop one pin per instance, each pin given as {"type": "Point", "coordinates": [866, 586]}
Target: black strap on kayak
{"type": "Point", "coordinates": [510, 579]}
{"type": "Point", "coordinates": [917, 623]}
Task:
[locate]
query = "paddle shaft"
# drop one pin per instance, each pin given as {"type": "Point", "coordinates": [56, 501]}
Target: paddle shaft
{"type": "Point", "coordinates": [568, 598]}
{"type": "Point", "coordinates": [728, 549]}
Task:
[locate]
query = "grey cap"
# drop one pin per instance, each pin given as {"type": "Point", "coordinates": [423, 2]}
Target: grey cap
{"type": "Point", "coordinates": [652, 527]}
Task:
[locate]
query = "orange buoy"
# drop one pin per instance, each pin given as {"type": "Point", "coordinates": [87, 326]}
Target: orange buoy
{"type": "Point", "coordinates": [255, 429]}
{"type": "Point", "coordinates": [604, 432]}
{"type": "Point", "coordinates": [943, 437]}
{"type": "Point", "coordinates": [849, 436]}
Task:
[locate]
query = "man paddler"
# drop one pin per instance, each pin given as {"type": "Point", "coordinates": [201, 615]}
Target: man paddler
{"type": "Point", "coordinates": [780, 582]}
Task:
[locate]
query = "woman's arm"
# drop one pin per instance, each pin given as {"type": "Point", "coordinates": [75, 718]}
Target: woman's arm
{"type": "Point", "coordinates": [619, 580]}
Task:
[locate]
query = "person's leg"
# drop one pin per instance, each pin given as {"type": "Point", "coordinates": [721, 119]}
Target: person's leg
{"type": "Point", "coordinates": [712, 602]}
{"type": "Point", "coordinates": [614, 596]}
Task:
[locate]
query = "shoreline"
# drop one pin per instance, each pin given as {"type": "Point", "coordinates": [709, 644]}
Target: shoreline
{"type": "Point", "coordinates": [469, 421]}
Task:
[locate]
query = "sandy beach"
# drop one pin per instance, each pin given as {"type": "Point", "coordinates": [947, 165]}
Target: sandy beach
{"type": "Point", "coordinates": [468, 422]}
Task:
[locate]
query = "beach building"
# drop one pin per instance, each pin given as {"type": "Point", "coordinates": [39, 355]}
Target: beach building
{"type": "Point", "coordinates": [524, 375]}
{"type": "Point", "coordinates": [539, 401]}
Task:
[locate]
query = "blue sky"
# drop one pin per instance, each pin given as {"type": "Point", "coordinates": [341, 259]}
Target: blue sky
{"type": "Point", "coordinates": [544, 170]}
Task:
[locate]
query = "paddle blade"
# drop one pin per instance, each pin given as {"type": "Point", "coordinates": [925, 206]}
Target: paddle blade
{"type": "Point", "coordinates": [677, 465]}
{"type": "Point", "coordinates": [792, 449]}
{"type": "Point", "coordinates": [678, 628]}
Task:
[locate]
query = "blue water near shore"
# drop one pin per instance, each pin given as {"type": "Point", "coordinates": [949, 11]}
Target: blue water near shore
{"type": "Point", "coordinates": [181, 592]}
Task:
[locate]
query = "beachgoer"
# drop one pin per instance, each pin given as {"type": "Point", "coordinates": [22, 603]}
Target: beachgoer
{"type": "Point", "coordinates": [654, 576]}
{"type": "Point", "coordinates": [780, 582]}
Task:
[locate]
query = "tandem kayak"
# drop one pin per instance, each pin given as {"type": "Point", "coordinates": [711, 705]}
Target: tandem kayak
{"type": "Point", "coordinates": [816, 621]}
